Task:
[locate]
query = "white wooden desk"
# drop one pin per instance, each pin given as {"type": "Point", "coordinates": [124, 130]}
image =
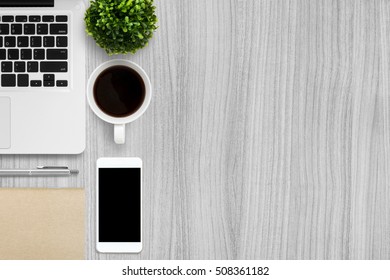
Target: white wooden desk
{"type": "Point", "coordinates": [268, 136]}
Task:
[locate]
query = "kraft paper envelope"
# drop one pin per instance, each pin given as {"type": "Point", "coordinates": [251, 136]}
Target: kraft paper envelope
{"type": "Point", "coordinates": [41, 224]}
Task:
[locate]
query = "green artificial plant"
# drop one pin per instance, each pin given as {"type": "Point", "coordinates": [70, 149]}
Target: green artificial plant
{"type": "Point", "coordinates": [121, 26]}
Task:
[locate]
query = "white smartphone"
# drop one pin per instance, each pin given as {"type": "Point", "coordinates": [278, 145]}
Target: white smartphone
{"type": "Point", "coordinates": [119, 205]}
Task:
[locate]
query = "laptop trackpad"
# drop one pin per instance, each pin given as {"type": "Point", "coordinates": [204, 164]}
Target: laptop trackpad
{"type": "Point", "coordinates": [5, 122]}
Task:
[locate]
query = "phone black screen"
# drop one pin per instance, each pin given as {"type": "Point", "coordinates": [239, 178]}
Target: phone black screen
{"type": "Point", "coordinates": [119, 205]}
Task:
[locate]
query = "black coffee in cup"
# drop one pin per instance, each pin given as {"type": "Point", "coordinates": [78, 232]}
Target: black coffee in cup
{"type": "Point", "coordinates": [119, 91]}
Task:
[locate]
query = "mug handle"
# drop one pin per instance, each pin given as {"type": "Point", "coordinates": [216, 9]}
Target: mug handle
{"type": "Point", "coordinates": [120, 133]}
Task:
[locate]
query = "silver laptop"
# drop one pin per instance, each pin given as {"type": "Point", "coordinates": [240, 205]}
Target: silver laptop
{"type": "Point", "coordinates": [42, 77]}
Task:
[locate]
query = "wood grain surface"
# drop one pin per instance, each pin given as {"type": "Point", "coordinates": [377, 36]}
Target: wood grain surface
{"type": "Point", "coordinates": [267, 136]}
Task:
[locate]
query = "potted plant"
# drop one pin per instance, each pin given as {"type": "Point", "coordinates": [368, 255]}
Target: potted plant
{"type": "Point", "coordinates": [121, 26]}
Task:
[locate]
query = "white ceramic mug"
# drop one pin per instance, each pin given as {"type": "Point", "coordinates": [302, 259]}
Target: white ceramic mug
{"type": "Point", "coordinates": [119, 122]}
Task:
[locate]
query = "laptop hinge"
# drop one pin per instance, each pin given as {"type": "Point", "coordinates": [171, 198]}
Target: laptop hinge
{"type": "Point", "coordinates": [26, 3]}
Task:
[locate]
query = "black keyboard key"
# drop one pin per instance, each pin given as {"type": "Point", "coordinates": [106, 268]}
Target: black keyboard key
{"type": "Point", "coordinates": [29, 29]}
{"type": "Point", "coordinates": [1, 42]}
{"type": "Point", "coordinates": [8, 18]}
{"type": "Point", "coordinates": [9, 41]}
{"type": "Point", "coordinates": [62, 83]}
{"type": "Point", "coordinates": [22, 80]}
{"type": "Point", "coordinates": [58, 28]}
{"type": "Point", "coordinates": [22, 41]}
{"type": "Point", "coordinates": [4, 29]}
{"type": "Point", "coordinates": [32, 67]}
{"type": "Point", "coordinates": [48, 77]}
{"type": "Point", "coordinates": [57, 54]}
{"type": "Point", "coordinates": [36, 83]}
{"type": "Point", "coordinates": [61, 18]}
{"type": "Point", "coordinates": [25, 54]}
{"type": "Point", "coordinates": [19, 66]}
{"type": "Point", "coordinates": [13, 54]}
{"type": "Point", "coordinates": [48, 83]}
{"type": "Point", "coordinates": [3, 54]}
{"type": "Point", "coordinates": [34, 18]}
{"type": "Point", "coordinates": [8, 80]}
{"type": "Point", "coordinates": [35, 41]}
{"type": "Point", "coordinates": [21, 18]}
{"type": "Point", "coordinates": [48, 41]}
{"type": "Point", "coordinates": [48, 18]}
{"type": "Point", "coordinates": [42, 29]}
{"type": "Point", "coordinates": [54, 67]}
{"type": "Point", "coordinates": [39, 54]}
{"type": "Point", "coordinates": [16, 29]}
{"type": "Point", "coordinates": [62, 41]}
{"type": "Point", "coordinates": [6, 66]}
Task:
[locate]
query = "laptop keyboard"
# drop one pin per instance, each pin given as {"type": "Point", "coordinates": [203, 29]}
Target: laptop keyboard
{"type": "Point", "coordinates": [34, 50]}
